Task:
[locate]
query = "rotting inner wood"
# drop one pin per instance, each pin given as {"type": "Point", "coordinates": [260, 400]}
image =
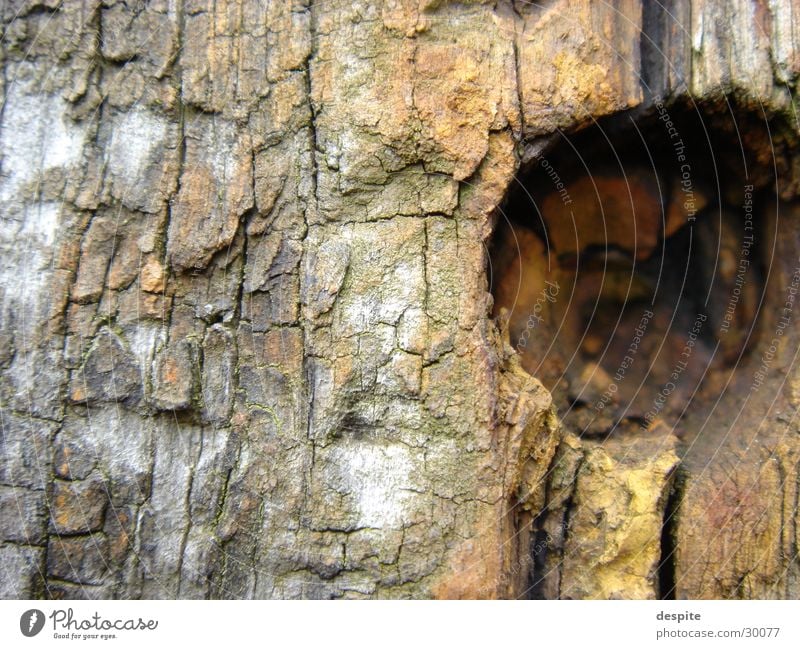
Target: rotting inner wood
{"type": "Point", "coordinates": [642, 268]}
{"type": "Point", "coordinates": [628, 263]}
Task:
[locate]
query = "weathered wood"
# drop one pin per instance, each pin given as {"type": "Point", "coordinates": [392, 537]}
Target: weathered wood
{"type": "Point", "coordinates": [246, 316]}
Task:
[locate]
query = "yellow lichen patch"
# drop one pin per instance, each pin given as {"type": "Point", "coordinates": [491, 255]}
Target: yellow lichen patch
{"type": "Point", "coordinates": [613, 546]}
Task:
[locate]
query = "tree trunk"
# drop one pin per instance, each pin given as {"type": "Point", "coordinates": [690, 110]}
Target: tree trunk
{"type": "Point", "coordinates": [262, 305]}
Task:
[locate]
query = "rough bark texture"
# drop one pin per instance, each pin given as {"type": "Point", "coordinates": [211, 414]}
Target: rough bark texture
{"type": "Point", "coordinates": [246, 330]}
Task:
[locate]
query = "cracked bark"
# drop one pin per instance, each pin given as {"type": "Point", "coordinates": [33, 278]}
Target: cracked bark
{"type": "Point", "coordinates": [245, 303]}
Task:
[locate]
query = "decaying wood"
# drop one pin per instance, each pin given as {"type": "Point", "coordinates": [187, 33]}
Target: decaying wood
{"type": "Point", "coordinates": [247, 337]}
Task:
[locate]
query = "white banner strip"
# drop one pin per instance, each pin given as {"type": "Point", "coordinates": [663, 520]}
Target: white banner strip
{"type": "Point", "coordinates": [329, 625]}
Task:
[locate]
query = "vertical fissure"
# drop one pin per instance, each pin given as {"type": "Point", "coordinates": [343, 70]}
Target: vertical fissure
{"type": "Point", "coordinates": [667, 563]}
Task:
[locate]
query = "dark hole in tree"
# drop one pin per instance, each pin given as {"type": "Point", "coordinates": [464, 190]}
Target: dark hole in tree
{"type": "Point", "coordinates": [628, 261]}
{"type": "Point", "coordinates": [641, 266]}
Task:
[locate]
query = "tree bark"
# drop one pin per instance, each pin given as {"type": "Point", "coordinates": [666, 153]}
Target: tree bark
{"type": "Point", "coordinates": [247, 336]}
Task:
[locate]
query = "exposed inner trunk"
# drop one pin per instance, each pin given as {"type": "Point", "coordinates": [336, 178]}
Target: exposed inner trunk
{"type": "Point", "coordinates": [632, 263]}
